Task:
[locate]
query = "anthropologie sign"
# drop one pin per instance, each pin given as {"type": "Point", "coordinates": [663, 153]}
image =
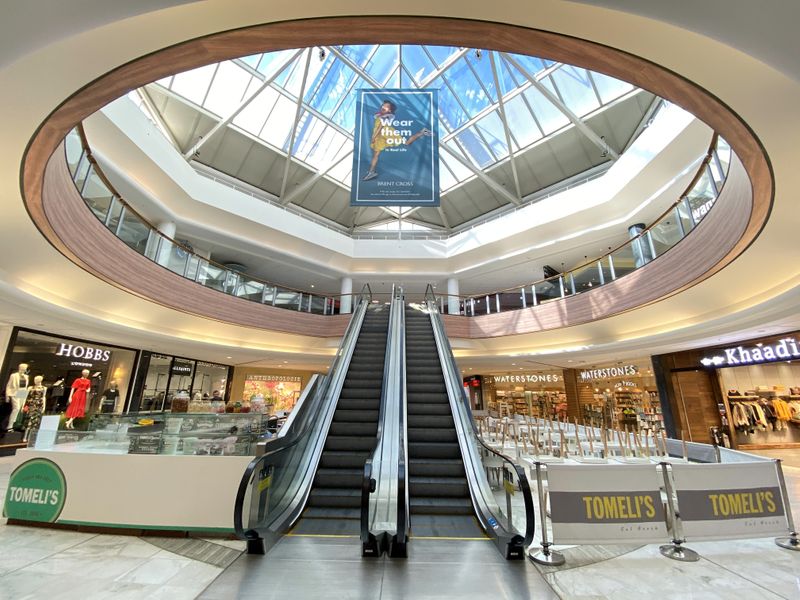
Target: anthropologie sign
{"type": "Point", "coordinates": [605, 504]}
{"type": "Point", "coordinates": [608, 373]}
{"type": "Point", "coordinates": [785, 349]}
{"type": "Point", "coordinates": [396, 148]}
{"type": "Point", "coordinates": [722, 501]}
{"type": "Point", "coordinates": [36, 491]}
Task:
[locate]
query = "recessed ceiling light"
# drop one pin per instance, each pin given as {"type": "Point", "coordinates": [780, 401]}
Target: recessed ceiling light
{"type": "Point", "coordinates": [228, 357]}
{"type": "Point", "coordinates": [312, 285]}
{"type": "Point", "coordinates": [513, 364]}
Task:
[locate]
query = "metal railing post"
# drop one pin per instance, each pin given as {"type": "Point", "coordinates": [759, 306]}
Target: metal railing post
{"type": "Point", "coordinates": [675, 550]}
{"type": "Point", "coordinates": [791, 542]}
{"type": "Point", "coordinates": [545, 556]}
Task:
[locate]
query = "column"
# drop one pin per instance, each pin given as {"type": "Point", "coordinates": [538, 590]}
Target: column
{"type": "Point", "coordinates": [452, 296]}
{"type": "Point", "coordinates": [346, 305]}
{"type": "Point", "coordinates": [167, 229]}
{"type": "Point", "coordinates": [641, 248]}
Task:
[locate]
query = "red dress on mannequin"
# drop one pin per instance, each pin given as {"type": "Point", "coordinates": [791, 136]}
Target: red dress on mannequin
{"type": "Point", "coordinates": [77, 408]}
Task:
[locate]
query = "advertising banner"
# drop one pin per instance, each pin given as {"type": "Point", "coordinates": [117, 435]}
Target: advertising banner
{"type": "Point", "coordinates": [724, 501]}
{"type": "Point", "coordinates": [606, 504]}
{"type": "Point", "coordinates": [396, 148]}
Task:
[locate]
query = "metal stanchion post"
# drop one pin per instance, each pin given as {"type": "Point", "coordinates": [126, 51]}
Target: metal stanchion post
{"type": "Point", "coordinates": [545, 556]}
{"type": "Point", "coordinates": [508, 485]}
{"type": "Point", "coordinates": [791, 542]}
{"type": "Point", "coordinates": [675, 550]}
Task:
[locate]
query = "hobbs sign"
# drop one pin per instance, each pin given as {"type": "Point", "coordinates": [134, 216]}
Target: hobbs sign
{"type": "Point", "coordinates": [84, 352]}
{"type": "Point", "coordinates": [785, 349]}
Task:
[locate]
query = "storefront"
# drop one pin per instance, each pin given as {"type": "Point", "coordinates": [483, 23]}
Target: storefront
{"type": "Point", "coordinates": [278, 389]}
{"type": "Point", "coordinates": [537, 394]}
{"type": "Point", "coordinates": [59, 361]}
{"type": "Point", "coordinates": [161, 377]}
{"type": "Point", "coordinates": [620, 395]}
{"type": "Point", "coordinates": [749, 390]}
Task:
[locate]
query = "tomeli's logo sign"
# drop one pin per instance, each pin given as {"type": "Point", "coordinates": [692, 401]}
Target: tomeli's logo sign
{"type": "Point", "coordinates": [785, 349]}
{"type": "Point", "coordinates": [36, 491]}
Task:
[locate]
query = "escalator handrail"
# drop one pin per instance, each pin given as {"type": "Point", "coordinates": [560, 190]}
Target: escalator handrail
{"type": "Point", "coordinates": [454, 385]}
{"type": "Point", "coordinates": [393, 382]}
{"type": "Point", "coordinates": [322, 392]}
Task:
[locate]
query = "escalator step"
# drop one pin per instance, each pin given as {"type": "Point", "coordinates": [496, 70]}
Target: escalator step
{"type": "Point", "coordinates": [413, 386]}
{"type": "Point", "coordinates": [342, 442]}
{"type": "Point", "coordinates": [432, 434]}
{"type": "Point", "coordinates": [436, 467]}
{"type": "Point", "coordinates": [356, 416]}
{"type": "Point", "coordinates": [417, 420]}
{"type": "Point", "coordinates": [361, 393]}
{"type": "Point", "coordinates": [317, 512]}
{"type": "Point", "coordinates": [428, 408]}
{"type": "Point", "coordinates": [335, 497]}
{"type": "Point", "coordinates": [339, 478]}
{"type": "Point", "coordinates": [438, 487]}
{"type": "Point", "coordinates": [341, 459]}
{"type": "Point", "coordinates": [361, 429]}
{"type": "Point", "coordinates": [440, 506]}
{"type": "Point", "coordinates": [349, 403]}
{"type": "Point", "coordinates": [433, 450]}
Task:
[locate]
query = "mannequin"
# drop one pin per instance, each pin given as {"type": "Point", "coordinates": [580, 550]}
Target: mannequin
{"type": "Point", "coordinates": [108, 401]}
{"type": "Point", "coordinates": [35, 406]}
{"type": "Point", "coordinates": [16, 392]}
{"type": "Point", "coordinates": [56, 394]}
{"type": "Point", "coordinates": [77, 398]}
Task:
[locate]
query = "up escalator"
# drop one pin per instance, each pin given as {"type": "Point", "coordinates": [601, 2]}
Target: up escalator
{"type": "Point", "coordinates": [334, 503]}
{"type": "Point", "coordinates": [439, 496]}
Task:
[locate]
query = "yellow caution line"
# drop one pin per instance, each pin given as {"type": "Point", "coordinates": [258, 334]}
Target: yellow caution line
{"type": "Point", "coordinates": [437, 537]}
{"type": "Point", "coordinates": [321, 535]}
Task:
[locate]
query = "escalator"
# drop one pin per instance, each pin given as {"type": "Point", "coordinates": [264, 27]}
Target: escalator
{"type": "Point", "coordinates": [439, 497]}
{"type": "Point", "coordinates": [333, 506]}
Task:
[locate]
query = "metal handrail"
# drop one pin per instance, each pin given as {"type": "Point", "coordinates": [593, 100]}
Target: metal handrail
{"type": "Point", "coordinates": [510, 543]}
{"type": "Point", "coordinates": [316, 411]}
{"type": "Point", "coordinates": [641, 235]}
{"type": "Point", "coordinates": [392, 394]}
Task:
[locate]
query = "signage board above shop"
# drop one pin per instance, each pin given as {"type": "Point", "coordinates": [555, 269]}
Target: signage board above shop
{"type": "Point", "coordinates": [609, 373]}
{"type": "Point", "coordinates": [785, 349]}
{"type": "Point", "coordinates": [182, 367]}
{"type": "Point", "coordinates": [526, 378]}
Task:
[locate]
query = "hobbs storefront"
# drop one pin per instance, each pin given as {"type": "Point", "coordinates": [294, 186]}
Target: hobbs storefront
{"type": "Point", "coordinates": [59, 361]}
{"type": "Point", "coordinates": [749, 391]}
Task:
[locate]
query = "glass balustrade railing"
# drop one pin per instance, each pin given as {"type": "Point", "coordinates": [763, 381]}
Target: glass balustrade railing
{"type": "Point", "coordinates": [133, 230]}
{"type": "Point", "coordinates": [669, 229]}
{"type": "Point", "coordinates": [139, 235]}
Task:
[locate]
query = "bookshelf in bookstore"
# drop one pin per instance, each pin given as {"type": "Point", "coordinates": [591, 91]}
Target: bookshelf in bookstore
{"type": "Point", "coordinates": [619, 395]}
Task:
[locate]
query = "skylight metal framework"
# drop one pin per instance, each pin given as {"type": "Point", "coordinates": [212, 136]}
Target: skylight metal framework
{"type": "Point", "coordinates": [493, 109]}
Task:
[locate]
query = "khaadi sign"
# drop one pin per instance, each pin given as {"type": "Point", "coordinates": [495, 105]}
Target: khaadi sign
{"type": "Point", "coordinates": [396, 148]}
{"type": "Point", "coordinates": [786, 349]}
{"type": "Point", "coordinates": [605, 504]}
{"type": "Point", "coordinates": [739, 500]}
{"type": "Point", "coordinates": [36, 491]}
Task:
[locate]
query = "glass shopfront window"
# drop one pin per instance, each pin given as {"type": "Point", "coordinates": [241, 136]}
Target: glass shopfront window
{"type": "Point", "coordinates": [164, 378]}
{"type": "Point", "coordinates": [535, 394]}
{"type": "Point", "coordinates": [59, 361]}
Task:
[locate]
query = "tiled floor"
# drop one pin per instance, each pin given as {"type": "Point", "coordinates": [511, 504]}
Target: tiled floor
{"type": "Point", "coordinates": [43, 563]}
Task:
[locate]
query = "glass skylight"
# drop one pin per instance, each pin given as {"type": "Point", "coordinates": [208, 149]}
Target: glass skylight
{"type": "Point", "coordinates": [261, 94]}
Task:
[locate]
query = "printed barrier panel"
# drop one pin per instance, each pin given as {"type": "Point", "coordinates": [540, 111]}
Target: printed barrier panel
{"type": "Point", "coordinates": [606, 504]}
{"type": "Point", "coordinates": [396, 148]}
{"type": "Point", "coordinates": [720, 501]}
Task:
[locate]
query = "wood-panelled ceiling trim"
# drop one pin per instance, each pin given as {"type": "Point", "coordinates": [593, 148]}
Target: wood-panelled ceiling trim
{"type": "Point", "coordinates": [395, 30]}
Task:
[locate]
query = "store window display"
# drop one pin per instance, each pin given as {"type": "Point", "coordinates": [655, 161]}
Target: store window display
{"type": "Point", "coordinates": [76, 404]}
{"type": "Point", "coordinates": [60, 361]}
{"type": "Point", "coordinates": [16, 393]}
{"type": "Point", "coordinates": [34, 407]}
{"type": "Point", "coordinates": [108, 400]}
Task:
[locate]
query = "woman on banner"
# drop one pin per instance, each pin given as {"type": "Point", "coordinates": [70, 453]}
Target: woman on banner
{"type": "Point", "coordinates": [384, 135]}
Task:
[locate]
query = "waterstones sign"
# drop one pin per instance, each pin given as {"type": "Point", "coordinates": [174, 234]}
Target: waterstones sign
{"type": "Point", "coordinates": [533, 378]}
{"type": "Point", "coordinates": [786, 349]}
{"type": "Point", "coordinates": [609, 373]}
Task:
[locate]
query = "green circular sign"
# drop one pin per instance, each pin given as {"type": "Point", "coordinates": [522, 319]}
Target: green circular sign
{"type": "Point", "coordinates": [36, 491]}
